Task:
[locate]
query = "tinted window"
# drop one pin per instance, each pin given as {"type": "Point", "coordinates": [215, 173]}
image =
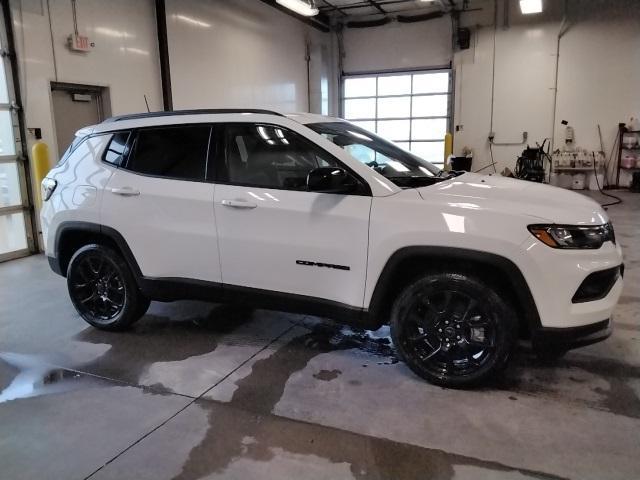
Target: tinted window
{"type": "Point", "coordinates": [173, 152]}
{"type": "Point", "coordinates": [269, 156]}
{"type": "Point", "coordinates": [116, 148]}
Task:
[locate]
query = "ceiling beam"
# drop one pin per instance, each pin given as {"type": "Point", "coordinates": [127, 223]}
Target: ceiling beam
{"type": "Point", "coordinates": [377, 6]}
{"type": "Point", "coordinates": [334, 8]}
{"type": "Point", "coordinates": [365, 4]}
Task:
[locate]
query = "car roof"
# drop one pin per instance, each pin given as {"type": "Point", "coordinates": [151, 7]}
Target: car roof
{"type": "Point", "coordinates": [173, 113]}
{"type": "Point", "coordinates": [306, 118]}
{"type": "Point", "coordinates": [136, 120]}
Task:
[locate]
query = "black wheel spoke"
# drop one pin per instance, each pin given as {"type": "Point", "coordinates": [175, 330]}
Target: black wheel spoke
{"type": "Point", "coordinates": [433, 353]}
{"type": "Point", "coordinates": [82, 272]}
{"type": "Point", "coordinates": [90, 298]}
{"type": "Point", "coordinates": [108, 300]}
{"type": "Point", "coordinates": [448, 295]}
{"type": "Point", "coordinates": [428, 307]}
{"type": "Point", "coordinates": [470, 306]}
{"type": "Point", "coordinates": [487, 342]}
{"type": "Point", "coordinates": [418, 338]}
{"type": "Point", "coordinates": [481, 323]}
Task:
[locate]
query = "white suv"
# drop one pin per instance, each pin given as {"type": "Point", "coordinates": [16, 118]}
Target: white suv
{"type": "Point", "coordinates": [315, 215]}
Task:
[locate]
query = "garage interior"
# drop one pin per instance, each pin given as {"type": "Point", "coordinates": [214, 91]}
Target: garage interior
{"type": "Point", "coordinates": [199, 390]}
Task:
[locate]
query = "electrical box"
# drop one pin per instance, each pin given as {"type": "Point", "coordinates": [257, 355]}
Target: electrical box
{"type": "Point", "coordinates": [79, 43]}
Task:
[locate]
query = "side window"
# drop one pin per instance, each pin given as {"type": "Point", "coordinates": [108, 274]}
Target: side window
{"type": "Point", "coordinates": [270, 156]}
{"type": "Point", "coordinates": [172, 152]}
{"type": "Point", "coordinates": [116, 148]}
{"type": "Point", "coordinates": [76, 142]}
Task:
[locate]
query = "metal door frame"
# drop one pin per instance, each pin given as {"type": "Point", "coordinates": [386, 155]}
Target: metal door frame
{"type": "Point", "coordinates": [103, 101]}
{"type": "Point", "coordinates": [99, 91]}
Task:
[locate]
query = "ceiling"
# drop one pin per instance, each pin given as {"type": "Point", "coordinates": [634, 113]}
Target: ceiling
{"type": "Point", "coordinates": [358, 9]}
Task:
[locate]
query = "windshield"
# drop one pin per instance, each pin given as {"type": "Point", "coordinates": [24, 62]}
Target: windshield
{"type": "Point", "coordinates": [401, 167]}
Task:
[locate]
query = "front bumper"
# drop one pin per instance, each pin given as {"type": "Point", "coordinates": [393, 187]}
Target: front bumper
{"type": "Point", "coordinates": [556, 279]}
{"type": "Point", "coordinates": [573, 337]}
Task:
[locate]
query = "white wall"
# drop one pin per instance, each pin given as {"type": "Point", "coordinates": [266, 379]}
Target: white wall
{"type": "Point", "coordinates": [244, 54]}
{"type": "Point", "coordinates": [125, 56]}
{"type": "Point", "coordinates": [599, 71]}
{"type": "Point", "coordinates": [524, 76]}
{"type": "Point", "coordinates": [598, 77]}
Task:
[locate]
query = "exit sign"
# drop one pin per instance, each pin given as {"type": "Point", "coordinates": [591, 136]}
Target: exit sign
{"type": "Point", "coordinates": [79, 43]}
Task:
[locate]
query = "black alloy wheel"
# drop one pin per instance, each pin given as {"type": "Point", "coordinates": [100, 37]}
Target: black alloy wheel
{"type": "Point", "coordinates": [103, 289]}
{"type": "Point", "coordinates": [452, 329]}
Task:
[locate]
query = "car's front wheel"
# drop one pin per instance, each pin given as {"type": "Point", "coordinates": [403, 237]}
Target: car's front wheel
{"type": "Point", "coordinates": [103, 290]}
{"type": "Point", "coordinates": [453, 329]}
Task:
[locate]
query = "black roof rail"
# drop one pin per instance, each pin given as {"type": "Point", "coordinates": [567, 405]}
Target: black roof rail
{"type": "Point", "coordinates": [204, 111]}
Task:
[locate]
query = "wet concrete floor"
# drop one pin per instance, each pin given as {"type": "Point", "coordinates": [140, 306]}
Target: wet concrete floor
{"type": "Point", "coordinates": [197, 390]}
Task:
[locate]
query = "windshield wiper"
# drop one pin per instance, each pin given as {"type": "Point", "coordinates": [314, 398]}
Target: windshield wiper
{"type": "Point", "coordinates": [444, 175]}
{"type": "Point", "coordinates": [414, 181]}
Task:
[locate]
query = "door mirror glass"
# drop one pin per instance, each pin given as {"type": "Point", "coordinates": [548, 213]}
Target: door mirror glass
{"type": "Point", "coordinates": [330, 180]}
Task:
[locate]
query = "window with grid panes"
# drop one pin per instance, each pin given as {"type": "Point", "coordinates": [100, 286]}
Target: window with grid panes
{"type": "Point", "coordinates": [411, 109]}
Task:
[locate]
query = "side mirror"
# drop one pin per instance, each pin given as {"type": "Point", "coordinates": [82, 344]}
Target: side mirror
{"type": "Point", "coordinates": [330, 180]}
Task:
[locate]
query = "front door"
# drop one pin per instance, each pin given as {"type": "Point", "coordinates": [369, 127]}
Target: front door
{"type": "Point", "coordinates": [161, 203]}
{"type": "Point", "coordinates": [276, 236]}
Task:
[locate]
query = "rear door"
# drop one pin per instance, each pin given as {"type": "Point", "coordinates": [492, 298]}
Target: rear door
{"type": "Point", "coordinates": [274, 235]}
{"type": "Point", "coordinates": [162, 204]}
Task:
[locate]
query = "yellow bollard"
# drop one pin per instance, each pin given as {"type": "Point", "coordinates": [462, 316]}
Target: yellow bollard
{"type": "Point", "coordinates": [448, 149]}
{"type": "Point", "coordinates": [41, 165]}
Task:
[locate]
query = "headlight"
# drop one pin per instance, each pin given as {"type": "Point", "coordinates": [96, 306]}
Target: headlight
{"type": "Point", "coordinates": [48, 186]}
{"type": "Point", "coordinates": [573, 236]}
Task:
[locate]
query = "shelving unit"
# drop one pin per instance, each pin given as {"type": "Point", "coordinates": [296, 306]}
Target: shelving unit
{"type": "Point", "coordinates": [574, 168]}
{"type": "Point", "coordinates": [621, 148]}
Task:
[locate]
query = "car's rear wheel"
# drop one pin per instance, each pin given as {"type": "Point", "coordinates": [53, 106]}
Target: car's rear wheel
{"type": "Point", "coordinates": [452, 329]}
{"type": "Point", "coordinates": [103, 290]}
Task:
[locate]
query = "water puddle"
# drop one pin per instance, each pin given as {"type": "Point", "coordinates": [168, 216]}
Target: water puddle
{"type": "Point", "coordinates": [34, 378]}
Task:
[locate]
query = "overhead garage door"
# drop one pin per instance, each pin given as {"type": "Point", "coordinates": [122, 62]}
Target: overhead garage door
{"type": "Point", "coordinates": [15, 222]}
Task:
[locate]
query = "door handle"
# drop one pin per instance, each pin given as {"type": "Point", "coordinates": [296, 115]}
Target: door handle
{"type": "Point", "coordinates": [125, 191]}
{"type": "Point", "coordinates": [238, 204]}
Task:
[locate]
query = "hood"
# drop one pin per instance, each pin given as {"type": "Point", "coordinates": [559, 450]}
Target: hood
{"type": "Point", "coordinates": [538, 201]}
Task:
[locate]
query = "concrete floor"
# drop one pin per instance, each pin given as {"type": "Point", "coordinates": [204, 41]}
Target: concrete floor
{"type": "Point", "coordinates": [204, 391]}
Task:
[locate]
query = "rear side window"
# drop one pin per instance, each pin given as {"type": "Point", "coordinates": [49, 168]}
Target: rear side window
{"type": "Point", "coordinates": [76, 141]}
{"type": "Point", "coordinates": [116, 148]}
{"type": "Point", "coordinates": [171, 152]}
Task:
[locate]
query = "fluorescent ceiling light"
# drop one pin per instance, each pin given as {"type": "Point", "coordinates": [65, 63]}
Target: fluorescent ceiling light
{"type": "Point", "coordinates": [299, 6]}
{"type": "Point", "coordinates": [192, 21]}
{"type": "Point", "coordinates": [110, 32]}
{"type": "Point", "coordinates": [139, 51]}
{"type": "Point", "coordinates": [530, 6]}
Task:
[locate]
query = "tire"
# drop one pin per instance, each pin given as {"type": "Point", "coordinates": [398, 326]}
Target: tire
{"type": "Point", "coordinates": [452, 329]}
{"type": "Point", "coordinates": [103, 289]}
